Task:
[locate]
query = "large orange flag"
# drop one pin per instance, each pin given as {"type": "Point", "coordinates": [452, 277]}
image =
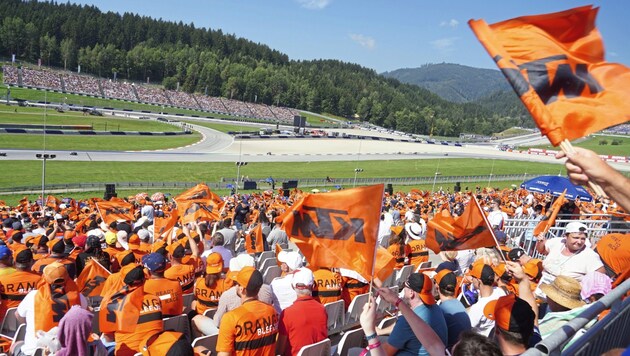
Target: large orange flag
{"type": "Point", "coordinates": [555, 63]}
{"type": "Point", "coordinates": [548, 221]}
{"type": "Point", "coordinates": [470, 230]}
{"type": "Point", "coordinates": [91, 280]}
{"type": "Point", "coordinates": [385, 263]}
{"type": "Point", "coordinates": [337, 229]}
{"type": "Point", "coordinates": [254, 240]}
{"type": "Point", "coordinates": [115, 210]}
{"type": "Point", "coordinates": [121, 310]}
{"type": "Point", "coordinates": [164, 225]}
{"type": "Point", "coordinates": [199, 202]}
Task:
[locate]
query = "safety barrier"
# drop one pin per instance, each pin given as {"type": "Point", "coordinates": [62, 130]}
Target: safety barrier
{"type": "Point", "coordinates": [609, 333]}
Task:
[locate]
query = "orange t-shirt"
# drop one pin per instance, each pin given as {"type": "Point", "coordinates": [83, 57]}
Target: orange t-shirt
{"type": "Point", "coordinates": [419, 253]}
{"type": "Point", "coordinates": [327, 288]}
{"type": "Point", "coordinates": [398, 254]}
{"type": "Point", "coordinates": [14, 287]}
{"type": "Point", "coordinates": [250, 329]}
{"type": "Point", "coordinates": [184, 274]}
{"type": "Point", "coordinates": [169, 292]}
{"type": "Point", "coordinates": [149, 323]}
{"type": "Point", "coordinates": [208, 297]}
{"type": "Point", "coordinates": [352, 288]}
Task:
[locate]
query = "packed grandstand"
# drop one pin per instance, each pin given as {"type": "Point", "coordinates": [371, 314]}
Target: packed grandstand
{"type": "Point", "coordinates": [68, 82]}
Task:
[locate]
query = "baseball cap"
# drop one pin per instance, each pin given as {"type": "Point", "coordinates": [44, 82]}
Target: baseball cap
{"type": "Point", "coordinates": [133, 275]}
{"type": "Point", "coordinates": [515, 254]}
{"type": "Point", "coordinates": [446, 280]}
{"type": "Point", "coordinates": [414, 230]}
{"type": "Point", "coordinates": [595, 283]}
{"type": "Point", "coordinates": [24, 255]}
{"type": "Point", "coordinates": [511, 313]}
{"type": "Point", "coordinates": [110, 237]}
{"type": "Point", "coordinates": [482, 271]}
{"type": "Point", "coordinates": [291, 258]}
{"type": "Point", "coordinates": [302, 278]}
{"type": "Point", "coordinates": [614, 250]}
{"type": "Point", "coordinates": [176, 250]}
{"type": "Point", "coordinates": [421, 284]}
{"type": "Point", "coordinates": [134, 241]}
{"type": "Point", "coordinates": [5, 252]}
{"type": "Point", "coordinates": [214, 263]}
{"type": "Point", "coordinates": [125, 257]}
{"type": "Point", "coordinates": [92, 242]}
{"type": "Point", "coordinates": [56, 245]}
{"type": "Point", "coordinates": [55, 273]}
{"type": "Point", "coordinates": [154, 262]}
{"type": "Point", "coordinates": [79, 240]}
{"type": "Point", "coordinates": [249, 278]}
{"type": "Point", "coordinates": [396, 229]}
{"type": "Point", "coordinates": [533, 268]}
{"type": "Point", "coordinates": [238, 263]}
{"type": "Point", "coordinates": [575, 227]}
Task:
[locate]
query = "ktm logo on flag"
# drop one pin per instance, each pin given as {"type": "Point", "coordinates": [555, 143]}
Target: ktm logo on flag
{"type": "Point", "coordinates": [450, 242]}
{"type": "Point", "coordinates": [319, 222]}
{"type": "Point", "coordinates": [570, 83]}
{"type": "Point", "coordinates": [92, 284]}
{"type": "Point", "coordinates": [117, 211]}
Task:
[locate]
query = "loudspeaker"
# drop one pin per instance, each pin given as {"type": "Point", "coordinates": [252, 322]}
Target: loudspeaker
{"type": "Point", "coordinates": [299, 121]}
{"type": "Point", "coordinates": [389, 189]}
{"type": "Point", "coordinates": [286, 193]}
{"type": "Point", "coordinates": [110, 191]}
{"type": "Point", "coordinates": [249, 185]}
{"type": "Point", "coordinates": [457, 188]}
{"type": "Point", "coordinates": [290, 184]}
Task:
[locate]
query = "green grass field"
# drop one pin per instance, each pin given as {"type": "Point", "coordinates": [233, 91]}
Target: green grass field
{"type": "Point", "coordinates": [28, 173]}
{"type": "Point", "coordinates": [594, 143]}
{"type": "Point", "coordinates": [99, 143]}
{"type": "Point", "coordinates": [224, 127]}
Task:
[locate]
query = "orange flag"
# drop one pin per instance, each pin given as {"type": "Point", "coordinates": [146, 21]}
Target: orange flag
{"type": "Point", "coordinates": [121, 310]}
{"type": "Point", "coordinates": [337, 229]}
{"type": "Point", "coordinates": [555, 63]}
{"type": "Point", "coordinates": [52, 202]}
{"type": "Point", "coordinates": [385, 263]}
{"type": "Point", "coordinates": [115, 210]}
{"type": "Point", "coordinates": [164, 226]}
{"type": "Point", "coordinates": [190, 211]}
{"type": "Point", "coordinates": [199, 202]}
{"type": "Point", "coordinates": [91, 280]}
{"type": "Point", "coordinates": [254, 240]}
{"type": "Point", "coordinates": [548, 221]}
{"type": "Point", "coordinates": [470, 230]}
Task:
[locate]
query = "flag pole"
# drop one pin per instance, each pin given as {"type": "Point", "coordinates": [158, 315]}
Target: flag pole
{"type": "Point", "coordinates": [485, 219]}
{"type": "Point", "coordinates": [567, 148]}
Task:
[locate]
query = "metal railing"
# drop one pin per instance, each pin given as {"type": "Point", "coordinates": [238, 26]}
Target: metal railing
{"type": "Point", "coordinates": [609, 333]}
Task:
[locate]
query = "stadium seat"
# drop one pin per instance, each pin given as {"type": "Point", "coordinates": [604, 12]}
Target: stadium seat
{"type": "Point", "coordinates": [210, 312]}
{"type": "Point", "coordinates": [9, 323]}
{"type": "Point", "coordinates": [336, 316]}
{"type": "Point", "coordinates": [386, 322]}
{"type": "Point", "coordinates": [350, 339]}
{"type": "Point", "coordinates": [266, 263]}
{"type": "Point", "coordinates": [390, 280]}
{"type": "Point", "coordinates": [188, 299]}
{"type": "Point", "coordinates": [18, 341]}
{"type": "Point", "coordinates": [178, 323]}
{"type": "Point", "coordinates": [270, 273]}
{"type": "Point", "coordinates": [423, 265]}
{"type": "Point", "coordinates": [402, 275]}
{"type": "Point", "coordinates": [209, 342]}
{"type": "Point", "coordinates": [39, 352]}
{"type": "Point", "coordinates": [316, 349]}
{"type": "Point", "coordinates": [265, 255]}
{"type": "Point", "coordinates": [355, 309]}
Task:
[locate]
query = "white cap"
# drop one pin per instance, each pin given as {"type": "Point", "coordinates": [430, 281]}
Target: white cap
{"type": "Point", "coordinates": [303, 276]}
{"type": "Point", "coordinates": [414, 230]}
{"type": "Point", "coordinates": [292, 259]}
{"type": "Point", "coordinates": [575, 227]}
{"type": "Point", "coordinates": [58, 216]}
{"type": "Point", "coordinates": [243, 260]}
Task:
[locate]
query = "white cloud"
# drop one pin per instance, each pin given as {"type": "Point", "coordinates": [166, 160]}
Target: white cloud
{"type": "Point", "coordinates": [365, 41]}
{"type": "Point", "coordinates": [314, 4]}
{"type": "Point", "coordinates": [450, 23]}
{"type": "Point", "coordinates": [444, 44]}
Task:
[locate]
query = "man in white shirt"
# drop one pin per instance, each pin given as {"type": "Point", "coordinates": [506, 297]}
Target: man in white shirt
{"type": "Point", "coordinates": [283, 293]}
{"type": "Point", "coordinates": [568, 256]}
{"type": "Point", "coordinates": [483, 280]}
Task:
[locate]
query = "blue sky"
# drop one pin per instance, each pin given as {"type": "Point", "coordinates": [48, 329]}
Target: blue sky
{"type": "Point", "coordinates": [382, 35]}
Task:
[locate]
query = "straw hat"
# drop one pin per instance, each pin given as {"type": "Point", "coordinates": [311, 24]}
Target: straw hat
{"type": "Point", "coordinates": [564, 291]}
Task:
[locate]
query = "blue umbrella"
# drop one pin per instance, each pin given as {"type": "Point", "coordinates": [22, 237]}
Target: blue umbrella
{"type": "Point", "coordinates": [555, 185]}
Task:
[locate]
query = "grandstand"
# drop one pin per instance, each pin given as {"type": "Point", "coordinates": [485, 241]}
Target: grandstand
{"type": "Point", "coordinates": [68, 82]}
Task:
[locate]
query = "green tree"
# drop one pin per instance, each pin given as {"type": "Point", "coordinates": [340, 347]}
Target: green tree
{"type": "Point", "coordinates": [68, 52]}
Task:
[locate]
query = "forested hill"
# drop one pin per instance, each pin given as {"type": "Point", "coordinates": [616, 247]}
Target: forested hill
{"type": "Point", "coordinates": [453, 82]}
{"type": "Point", "coordinates": [208, 61]}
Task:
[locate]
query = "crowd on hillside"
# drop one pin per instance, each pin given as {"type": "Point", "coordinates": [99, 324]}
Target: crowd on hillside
{"type": "Point", "coordinates": [501, 300]}
{"type": "Point", "coordinates": [84, 84]}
